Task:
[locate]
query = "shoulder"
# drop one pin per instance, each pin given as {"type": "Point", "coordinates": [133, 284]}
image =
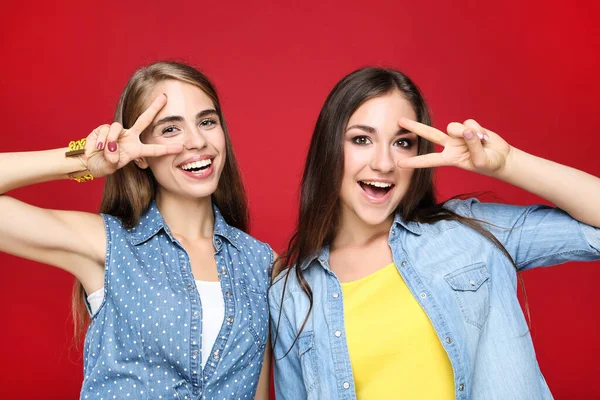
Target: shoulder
{"type": "Point", "coordinates": [291, 281]}
{"type": "Point", "coordinates": [462, 206]}
{"type": "Point", "coordinates": [249, 245]}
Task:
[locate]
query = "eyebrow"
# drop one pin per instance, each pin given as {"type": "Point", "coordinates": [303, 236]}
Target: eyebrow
{"type": "Point", "coordinates": [179, 118]}
{"type": "Point", "coordinates": [371, 130]}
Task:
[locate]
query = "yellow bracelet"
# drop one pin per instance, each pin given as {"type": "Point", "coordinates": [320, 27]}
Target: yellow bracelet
{"type": "Point", "coordinates": [76, 148]}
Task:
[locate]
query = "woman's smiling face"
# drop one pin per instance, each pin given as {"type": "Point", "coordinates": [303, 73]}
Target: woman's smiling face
{"type": "Point", "coordinates": [372, 184]}
{"type": "Point", "coordinates": [189, 117]}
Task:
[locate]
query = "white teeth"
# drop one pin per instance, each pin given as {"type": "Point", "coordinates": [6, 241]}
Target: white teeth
{"type": "Point", "coordinates": [197, 164]}
{"type": "Point", "coordinates": [378, 184]}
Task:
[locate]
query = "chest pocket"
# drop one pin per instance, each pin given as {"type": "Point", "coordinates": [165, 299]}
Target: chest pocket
{"type": "Point", "coordinates": [306, 353]}
{"type": "Point", "coordinates": [471, 286]}
{"type": "Point", "coordinates": [258, 314]}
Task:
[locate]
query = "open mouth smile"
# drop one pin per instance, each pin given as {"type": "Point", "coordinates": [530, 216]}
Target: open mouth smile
{"type": "Point", "coordinates": [376, 191]}
{"type": "Point", "coordinates": [197, 169]}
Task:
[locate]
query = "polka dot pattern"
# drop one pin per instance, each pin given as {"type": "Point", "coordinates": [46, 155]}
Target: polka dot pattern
{"type": "Point", "coordinates": [145, 340]}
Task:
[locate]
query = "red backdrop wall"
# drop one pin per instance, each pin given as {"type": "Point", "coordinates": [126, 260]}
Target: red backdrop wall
{"type": "Point", "coordinates": [526, 69]}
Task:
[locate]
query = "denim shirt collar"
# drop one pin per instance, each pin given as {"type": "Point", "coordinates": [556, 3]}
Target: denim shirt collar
{"type": "Point", "coordinates": [323, 255]}
{"type": "Point", "coordinates": [152, 222]}
{"type": "Point", "coordinates": [411, 226]}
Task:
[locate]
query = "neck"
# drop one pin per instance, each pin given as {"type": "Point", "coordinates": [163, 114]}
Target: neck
{"type": "Point", "coordinates": [354, 232]}
{"type": "Point", "coordinates": [191, 218]}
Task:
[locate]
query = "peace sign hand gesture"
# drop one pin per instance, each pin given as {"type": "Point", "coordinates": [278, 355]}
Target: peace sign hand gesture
{"type": "Point", "coordinates": [110, 147]}
{"type": "Point", "coordinates": [467, 146]}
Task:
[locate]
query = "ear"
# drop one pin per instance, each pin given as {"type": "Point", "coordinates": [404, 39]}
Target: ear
{"type": "Point", "coordinates": [141, 163]}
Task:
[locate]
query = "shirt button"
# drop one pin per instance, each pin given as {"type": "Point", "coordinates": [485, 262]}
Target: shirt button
{"type": "Point", "coordinates": [190, 287]}
{"type": "Point", "coordinates": [335, 295]}
{"type": "Point", "coordinates": [448, 340]}
{"type": "Point", "coordinates": [216, 355]}
{"type": "Point", "coordinates": [338, 333]}
{"type": "Point", "coordinates": [196, 314]}
{"type": "Point", "coordinates": [218, 242]}
{"type": "Point", "coordinates": [224, 271]}
{"type": "Point", "coordinates": [461, 387]}
{"type": "Point", "coordinates": [346, 385]}
{"type": "Point", "coordinates": [229, 319]}
{"type": "Point", "coordinates": [423, 295]}
{"type": "Point", "coordinates": [195, 354]}
{"type": "Point", "coordinates": [472, 282]}
{"type": "Point", "coordinates": [228, 293]}
{"type": "Point", "coordinates": [403, 263]}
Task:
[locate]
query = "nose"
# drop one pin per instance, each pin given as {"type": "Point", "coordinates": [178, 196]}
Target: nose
{"type": "Point", "coordinates": [382, 160]}
{"type": "Point", "coordinates": [194, 139]}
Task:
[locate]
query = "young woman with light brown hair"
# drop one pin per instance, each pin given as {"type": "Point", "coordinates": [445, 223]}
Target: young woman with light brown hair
{"type": "Point", "coordinates": [175, 288]}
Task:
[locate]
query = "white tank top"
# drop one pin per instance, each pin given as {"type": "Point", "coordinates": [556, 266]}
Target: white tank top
{"type": "Point", "coordinates": [213, 312]}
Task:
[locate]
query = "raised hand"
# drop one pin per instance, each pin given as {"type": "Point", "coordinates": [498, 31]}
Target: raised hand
{"type": "Point", "coordinates": [468, 146]}
{"type": "Point", "coordinates": [110, 147]}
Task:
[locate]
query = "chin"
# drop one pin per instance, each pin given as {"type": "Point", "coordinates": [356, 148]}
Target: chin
{"type": "Point", "coordinates": [374, 216]}
{"type": "Point", "coordinates": [204, 192]}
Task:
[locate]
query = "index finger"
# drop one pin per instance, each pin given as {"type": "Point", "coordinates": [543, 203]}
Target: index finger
{"type": "Point", "coordinates": [424, 131]}
{"type": "Point", "coordinates": [147, 116]}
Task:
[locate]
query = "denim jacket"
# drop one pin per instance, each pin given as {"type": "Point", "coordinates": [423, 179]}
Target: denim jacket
{"type": "Point", "coordinates": [465, 285]}
{"type": "Point", "coordinates": [144, 342]}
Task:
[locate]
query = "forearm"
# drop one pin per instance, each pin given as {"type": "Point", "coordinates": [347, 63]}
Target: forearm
{"type": "Point", "coordinates": [574, 191]}
{"type": "Point", "coordinates": [26, 168]}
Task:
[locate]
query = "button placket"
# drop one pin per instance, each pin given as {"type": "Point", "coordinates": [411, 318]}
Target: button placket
{"type": "Point", "coordinates": [196, 314]}
{"type": "Point", "coordinates": [342, 371]}
{"type": "Point", "coordinates": [226, 328]}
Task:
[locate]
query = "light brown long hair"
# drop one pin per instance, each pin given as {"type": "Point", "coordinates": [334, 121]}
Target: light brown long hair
{"type": "Point", "coordinates": [319, 215]}
{"type": "Point", "coordinates": [129, 191]}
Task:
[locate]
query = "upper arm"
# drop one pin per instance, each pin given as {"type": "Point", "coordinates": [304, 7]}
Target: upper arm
{"type": "Point", "coordinates": [287, 370]}
{"type": "Point", "coordinates": [537, 235]}
{"type": "Point", "coordinates": [73, 241]}
{"type": "Point", "coordinates": [263, 390]}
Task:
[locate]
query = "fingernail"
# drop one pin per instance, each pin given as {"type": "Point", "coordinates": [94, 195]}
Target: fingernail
{"type": "Point", "coordinates": [100, 145]}
{"type": "Point", "coordinates": [112, 146]}
{"type": "Point", "coordinates": [466, 134]}
{"type": "Point", "coordinates": [485, 137]}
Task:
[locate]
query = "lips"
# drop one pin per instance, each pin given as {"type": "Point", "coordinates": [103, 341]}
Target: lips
{"type": "Point", "coordinates": [376, 191]}
{"type": "Point", "coordinates": [197, 167]}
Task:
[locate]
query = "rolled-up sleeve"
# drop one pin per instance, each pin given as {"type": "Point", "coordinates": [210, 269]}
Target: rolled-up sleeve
{"type": "Point", "coordinates": [534, 235]}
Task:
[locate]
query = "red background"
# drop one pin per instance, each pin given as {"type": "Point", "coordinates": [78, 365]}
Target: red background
{"type": "Point", "coordinates": [526, 69]}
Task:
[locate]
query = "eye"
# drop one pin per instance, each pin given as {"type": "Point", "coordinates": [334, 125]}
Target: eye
{"type": "Point", "coordinates": [404, 143]}
{"type": "Point", "coordinates": [208, 123]}
{"type": "Point", "coordinates": [361, 140]}
{"type": "Point", "coordinates": [170, 130]}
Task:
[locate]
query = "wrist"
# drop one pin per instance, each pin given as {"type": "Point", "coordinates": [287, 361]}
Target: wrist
{"type": "Point", "coordinates": [511, 168]}
{"type": "Point", "coordinates": [77, 150]}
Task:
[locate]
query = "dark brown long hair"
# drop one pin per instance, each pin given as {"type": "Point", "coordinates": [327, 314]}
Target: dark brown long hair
{"type": "Point", "coordinates": [129, 191]}
{"type": "Point", "coordinates": [319, 215]}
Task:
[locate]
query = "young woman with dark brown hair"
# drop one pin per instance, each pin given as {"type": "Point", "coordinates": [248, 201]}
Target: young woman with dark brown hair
{"type": "Point", "coordinates": [175, 288]}
{"type": "Point", "coordinates": [387, 293]}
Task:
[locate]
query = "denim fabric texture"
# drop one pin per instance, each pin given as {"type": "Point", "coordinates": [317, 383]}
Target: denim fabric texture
{"type": "Point", "coordinates": [464, 283]}
{"type": "Point", "coordinates": [144, 342]}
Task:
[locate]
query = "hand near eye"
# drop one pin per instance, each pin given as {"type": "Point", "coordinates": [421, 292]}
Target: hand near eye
{"type": "Point", "coordinates": [110, 147]}
{"type": "Point", "coordinates": [467, 146]}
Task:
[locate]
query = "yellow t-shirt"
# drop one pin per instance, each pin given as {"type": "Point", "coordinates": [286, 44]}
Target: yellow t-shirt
{"type": "Point", "coordinates": [394, 350]}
